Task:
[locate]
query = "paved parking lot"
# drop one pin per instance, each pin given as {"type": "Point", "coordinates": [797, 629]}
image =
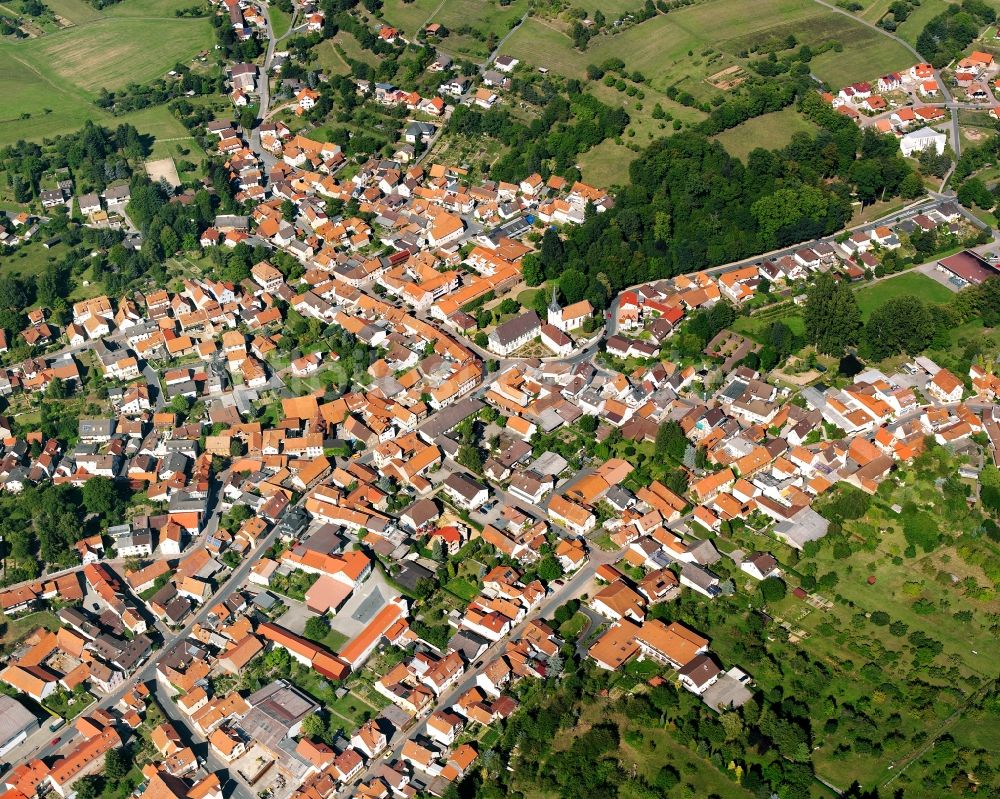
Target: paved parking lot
{"type": "Point", "coordinates": [363, 604]}
{"type": "Point", "coordinates": [296, 616]}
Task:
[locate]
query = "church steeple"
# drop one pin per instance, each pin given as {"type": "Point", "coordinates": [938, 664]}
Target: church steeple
{"type": "Point", "coordinates": [555, 312]}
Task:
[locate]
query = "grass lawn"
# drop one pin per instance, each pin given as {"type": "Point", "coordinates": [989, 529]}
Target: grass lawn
{"type": "Point", "coordinates": [281, 21]}
{"type": "Point", "coordinates": [481, 17]}
{"type": "Point", "coordinates": [52, 81]}
{"type": "Point", "coordinates": [409, 17]}
{"type": "Point", "coordinates": [353, 707]}
{"type": "Point", "coordinates": [570, 630]}
{"type": "Point", "coordinates": [754, 326]}
{"type": "Point", "coordinates": [329, 59]}
{"type": "Point", "coordinates": [918, 284]}
{"type": "Point", "coordinates": [32, 259]}
{"type": "Point", "coordinates": [464, 589]}
{"type": "Point", "coordinates": [334, 640]}
{"type": "Point", "coordinates": [770, 131]}
{"type": "Point", "coordinates": [607, 164]}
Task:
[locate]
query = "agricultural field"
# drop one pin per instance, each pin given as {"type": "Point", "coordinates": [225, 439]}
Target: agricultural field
{"type": "Point", "coordinates": [684, 48]}
{"type": "Point", "coordinates": [470, 22]}
{"type": "Point", "coordinates": [770, 131]}
{"type": "Point", "coordinates": [51, 81]}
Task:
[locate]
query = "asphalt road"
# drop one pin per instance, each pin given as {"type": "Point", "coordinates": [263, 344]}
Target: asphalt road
{"type": "Point", "coordinates": [148, 671]}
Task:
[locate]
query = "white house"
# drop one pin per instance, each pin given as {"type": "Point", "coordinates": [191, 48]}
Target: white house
{"type": "Point", "coordinates": [922, 139]}
{"type": "Point", "coordinates": [760, 566]}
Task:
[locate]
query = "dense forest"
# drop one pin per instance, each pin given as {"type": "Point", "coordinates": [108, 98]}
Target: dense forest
{"type": "Point", "coordinates": [691, 205]}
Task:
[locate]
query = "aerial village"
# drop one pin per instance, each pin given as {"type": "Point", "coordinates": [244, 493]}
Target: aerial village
{"type": "Point", "coordinates": [912, 105]}
{"type": "Point", "coordinates": [282, 559]}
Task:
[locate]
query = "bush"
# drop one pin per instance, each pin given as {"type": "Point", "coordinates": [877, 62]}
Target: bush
{"type": "Point", "coordinates": [772, 589]}
{"type": "Point", "coordinates": [666, 778]}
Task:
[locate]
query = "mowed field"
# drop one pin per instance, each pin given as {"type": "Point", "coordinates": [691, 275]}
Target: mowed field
{"type": "Point", "coordinates": [51, 82]}
{"type": "Point", "coordinates": [770, 131]}
{"type": "Point", "coordinates": [714, 32]}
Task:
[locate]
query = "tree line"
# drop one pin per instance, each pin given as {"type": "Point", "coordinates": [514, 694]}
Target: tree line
{"type": "Point", "coordinates": [903, 324]}
{"type": "Point", "coordinates": [946, 36]}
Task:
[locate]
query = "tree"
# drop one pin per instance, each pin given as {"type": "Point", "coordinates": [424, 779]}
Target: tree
{"type": "Point", "coordinates": [531, 269]}
{"type": "Point", "coordinates": [317, 628]}
{"type": "Point", "coordinates": [666, 778]}
{"type": "Point", "coordinates": [573, 285]}
{"type": "Point", "coordinates": [100, 495]}
{"type": "Point", "coordinates": [549, 569]}
{"type": "Point", "coordinates": [313, 727]}
{"type": "Point", "coordinates": [901, 324]}
{"type": "Point", "coordinates": [974, 191]}
{"type": "Point", "coordinates": [911, 187]}
{"type": "Point", "coordinates": [86, 787]}
{"type": "Point", "coordinates": [552, 253]}
{"type": "Point", "coordinates": [832, 316]}
{"type": "Point", "coordinates": [180, 405]}
{"type": "Point", "coordinates": [470, 457]}
{"type": "Point", "coordinates": [116, 765]}
{"type": "Point", "coordinates": [55, 390]}
{"type": "Point", "coordinates": [773, 589]}
{"type": "Point", "coordinates": [670, 441]}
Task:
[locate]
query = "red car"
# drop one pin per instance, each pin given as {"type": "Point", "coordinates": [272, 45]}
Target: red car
{"type": "Point", "coordinates": [55, 740]}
